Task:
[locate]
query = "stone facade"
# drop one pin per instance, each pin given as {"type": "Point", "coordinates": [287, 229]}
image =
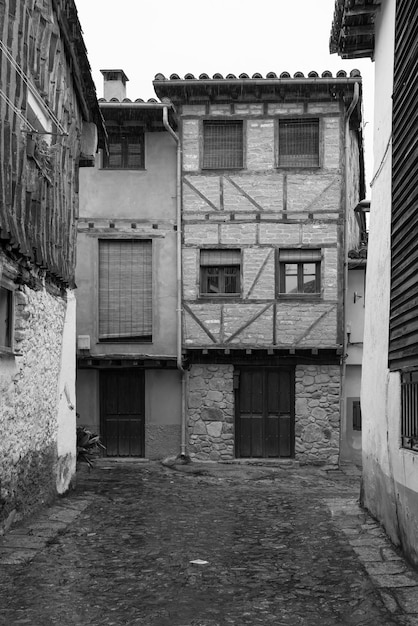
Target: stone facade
{"type": "Point", "coordinates": [29, 390]}
{"type": "Point", "coordinates": [317, 414]}
{"type": "Point", "coordinates": [211, 412]}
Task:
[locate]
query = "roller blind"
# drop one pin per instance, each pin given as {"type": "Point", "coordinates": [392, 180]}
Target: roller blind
{"type": "Point", "coordinates": [125, 289]}
{"type": "Point", "coordinates": [220, 257]}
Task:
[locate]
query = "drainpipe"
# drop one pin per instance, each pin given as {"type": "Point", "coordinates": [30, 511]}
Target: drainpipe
{"type": "Point", "coordinates": [180, 367]}
{"type": "Point", "coordinates": [353, 104]}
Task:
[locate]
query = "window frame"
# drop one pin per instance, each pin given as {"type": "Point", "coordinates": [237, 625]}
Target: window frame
{"type": "Point", "coordinates": [300, 119]}
{"type": "Point", "coordinates": [9, 288]}
{"type": "Point", "coordinates": [138, 338]}
{"type": "Point", "coordinates": [125, 132]}
{"type": "Point", "coordinates": [281, 274]}
{"type": "Point", "coordinates": [409, 410]}
{"type": "Point", "coordinates": [203, 276]}
{"type": "Point", "coordinates": [221, 122]}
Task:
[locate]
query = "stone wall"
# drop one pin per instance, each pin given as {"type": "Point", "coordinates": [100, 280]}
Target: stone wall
{"type": "Point", "coordinates": [29, 390]}
{"type": "Point", "coordinates": [211, 412]}
{"type": "Point", "coordinates": [317, 414]}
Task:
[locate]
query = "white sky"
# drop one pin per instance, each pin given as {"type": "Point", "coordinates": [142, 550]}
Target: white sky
{"type": "Point", "coordinates": [145, 37]}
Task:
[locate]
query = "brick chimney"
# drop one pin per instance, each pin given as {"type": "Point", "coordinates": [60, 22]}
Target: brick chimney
{"type": "Point", "coordinates": [114, 84]}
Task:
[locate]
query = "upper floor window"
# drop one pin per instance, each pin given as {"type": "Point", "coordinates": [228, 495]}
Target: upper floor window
{"type": "Point", "coordinates": [126, 148]}
{"type": "Point", "coordinates": [222, 144]}
{"type": "Point", "coordinates": [220, 272]}
{"type": "Point", "coordinates": [6, 318]}
{"type": "Point", "coordinates": [300, 272]}
{"type": "Point", "coordinates": [125, 290]}
{"type": "Point", "coordinates": [299, 142]}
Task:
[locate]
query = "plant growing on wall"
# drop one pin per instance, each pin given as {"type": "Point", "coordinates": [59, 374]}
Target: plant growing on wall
{"type": "Point", "coordinates": [88, 445]}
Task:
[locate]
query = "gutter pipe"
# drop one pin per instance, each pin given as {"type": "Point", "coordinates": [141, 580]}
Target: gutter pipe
{"type": "Point", "coordinates": [353, 104]}
{"type": "Point", "coordinates": [183, 373]}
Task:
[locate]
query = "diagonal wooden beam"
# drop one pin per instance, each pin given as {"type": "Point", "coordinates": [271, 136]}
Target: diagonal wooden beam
{"type": "Point", "coordinates": [199, 323]}
{"type": "Point", "coordinates": [312, 326]}
{"type": "Point", "coordinates": [244, 326]}
{"type": "Point", "coordinates": [244, 193]}
{"type": "Point", "coordinates": [319, 196]}
{"type": "Point", "coordinates": [263, 265]}
{"type": "Point", "coordinates": [200, 194]}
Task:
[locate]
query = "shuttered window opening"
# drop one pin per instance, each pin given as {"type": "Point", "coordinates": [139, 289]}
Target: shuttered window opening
{"type": "Point", "coordinates": [220, 272]}
{"type": "Point", "coordinates": [299, 143]}
{"type": "Point", "coordinates": [223, 144]}
{"type": "Point", "coordinates": [125, 290]}
{"type": "Point", "coordinates": [299, 272]}
{"type": "Point", "coordinates": [409, 410]}
{"type": "Point", "coordinates": [6, 317]}
{"type": "Point", "coordinates": [403, 325]}
{"type": "Point", "coordinates": [126, 148]}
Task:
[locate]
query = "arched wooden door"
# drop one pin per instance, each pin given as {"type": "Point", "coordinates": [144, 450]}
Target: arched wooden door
{"type": "Point", "coordinates": [265, 415]}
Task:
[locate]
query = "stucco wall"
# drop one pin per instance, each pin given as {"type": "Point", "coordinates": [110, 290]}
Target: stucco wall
{"type": "Point", "coordinates": [37, 447]}
{"type": "Point", "coordinates": [390, 476]}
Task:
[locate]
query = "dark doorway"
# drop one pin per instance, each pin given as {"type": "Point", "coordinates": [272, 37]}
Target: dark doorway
{"type": "Point", "coordinates": [122, 408]}
{"type": "Point", "coordinates": [265, 412]}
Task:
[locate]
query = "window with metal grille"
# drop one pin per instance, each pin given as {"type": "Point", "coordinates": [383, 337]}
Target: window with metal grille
{"type": "Point", "coordinates": [222, 144]}
{"type": "Point", "coordinates": [299, 272]}
{"type": "Point", "coordinates": [126, 148]}
{"type": "Point", "coordinates": [356, 415]}
{"type": "Point", "coordinates": [6, 317]}
{"type": "Point", "coordinates": [220, 272]}
{"type": "Point", "coordinates": [299, 142]}
{"type": "Point", "coordinates": [409, 410]}
{"type": "Point", "coordinates": [125, 290]}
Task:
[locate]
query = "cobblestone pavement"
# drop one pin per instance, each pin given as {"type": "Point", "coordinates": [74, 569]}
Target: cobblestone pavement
{"type": "Point", "coordinates": [205, 545]}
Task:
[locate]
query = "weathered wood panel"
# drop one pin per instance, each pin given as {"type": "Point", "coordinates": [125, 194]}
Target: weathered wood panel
{"type": "Point", "coordinates": [403, 329]}
{"type": "Point", "coordinates": [39, 158]}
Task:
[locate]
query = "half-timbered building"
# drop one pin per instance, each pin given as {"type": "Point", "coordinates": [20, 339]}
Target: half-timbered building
{"type": "Point", "coordinates": [272, 169]}
{"type": "Point", "coordinates": [49, 124]}
{"type": "Point", "coordinates": [387, 31]}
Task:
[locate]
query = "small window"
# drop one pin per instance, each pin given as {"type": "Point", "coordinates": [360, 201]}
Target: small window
{"type": "Point", "coordinates": [125, 290]}
{"type": "Point", "coordinates": [299, 143]}
{"type": "Point", "coordinates": [220, 272]}
{"type": "Point", "coordinates": [300, 272]}
{"type": "Point", "coordinates": [409, 410]}
{"type": "Point", "coordinates": [126, 149]}
{"type": "Point", "coordinates": [222, 144]}
{"type": "Point", "coordinates": [6, 318]}
{"type": "Point", "coordinates": [356, 415]}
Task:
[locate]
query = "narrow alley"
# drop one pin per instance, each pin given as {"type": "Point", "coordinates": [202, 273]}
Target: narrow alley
{"type": "Point", "coordinates": [205, 545]}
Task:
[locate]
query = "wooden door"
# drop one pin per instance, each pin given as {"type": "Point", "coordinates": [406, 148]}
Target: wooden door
{"type": "Point", "coordinates": [265, 412]}
{"type": "Point", "coordinates": [122, 408]}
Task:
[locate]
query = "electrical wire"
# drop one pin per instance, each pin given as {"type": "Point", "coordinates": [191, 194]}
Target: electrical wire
{"type": "Point", "coordinates": [31, 87]}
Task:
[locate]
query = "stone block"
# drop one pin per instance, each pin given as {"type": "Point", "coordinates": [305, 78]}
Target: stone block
{"type": "Point", "coordinates": [214, 429]}
{"type": "Point", "coordinates": [211, 414]}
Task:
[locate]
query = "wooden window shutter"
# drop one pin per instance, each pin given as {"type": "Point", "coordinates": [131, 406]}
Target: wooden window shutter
{"type": "Point", "coordinates": [299, 143]}
{"type": "Point", "coordinates": [125, 289]}
{"type": "Point", "coordinates": [222, 144]}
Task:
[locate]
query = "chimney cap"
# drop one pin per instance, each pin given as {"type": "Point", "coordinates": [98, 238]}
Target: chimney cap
{"type": "Point", "coordinates": [115, 75]}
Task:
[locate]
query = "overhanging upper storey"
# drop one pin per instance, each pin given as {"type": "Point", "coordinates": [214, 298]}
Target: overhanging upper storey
{"type": "Point", "coordinates": [272, 88]}
{"type": "Point", "coordinates": [352, 32]}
